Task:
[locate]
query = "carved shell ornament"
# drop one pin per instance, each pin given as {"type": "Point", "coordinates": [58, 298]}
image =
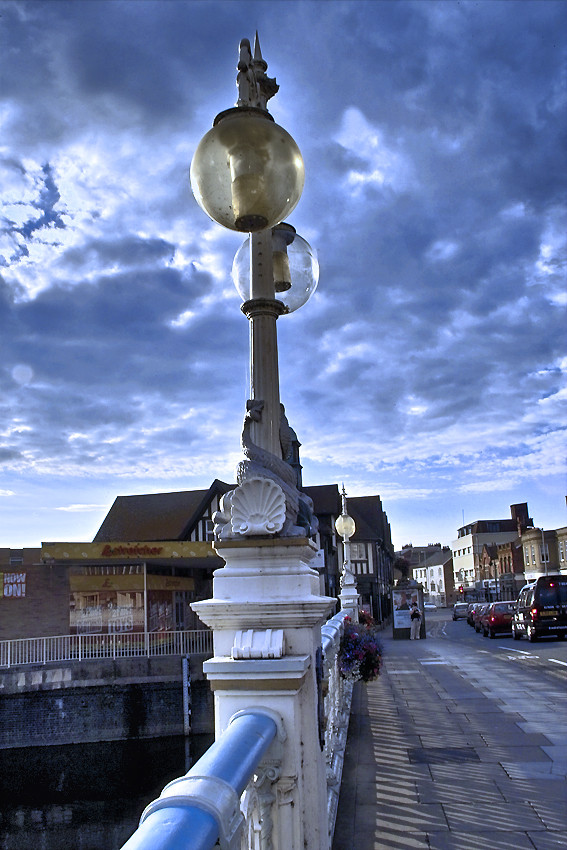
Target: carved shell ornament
{"type": "Point", "coordinates": [258, 507]}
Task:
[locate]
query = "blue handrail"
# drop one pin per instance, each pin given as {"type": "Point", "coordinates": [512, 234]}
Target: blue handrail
{"type": "Point", "coordinates": [203, 805]}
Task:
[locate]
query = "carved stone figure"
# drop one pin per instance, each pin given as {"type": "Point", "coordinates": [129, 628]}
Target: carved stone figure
{"type": "Point", "coordinates": [261, 464]}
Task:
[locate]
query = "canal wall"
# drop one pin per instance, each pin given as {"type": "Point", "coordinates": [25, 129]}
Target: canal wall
{"type": "Point", "coordinates": [104, 700]}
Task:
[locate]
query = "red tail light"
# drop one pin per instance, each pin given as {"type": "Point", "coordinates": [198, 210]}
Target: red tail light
{"type": "Point", "coordinates": [492, 619]}
{"type": "Point", "coordinates": [534, 613]}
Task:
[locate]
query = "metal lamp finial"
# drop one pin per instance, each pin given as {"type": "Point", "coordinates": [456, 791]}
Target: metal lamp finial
{"type": "Point", "coordinates": [254, 87]}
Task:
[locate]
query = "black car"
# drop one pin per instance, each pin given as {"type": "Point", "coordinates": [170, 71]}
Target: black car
{"type": "Point", "coordinates": [541, 608]}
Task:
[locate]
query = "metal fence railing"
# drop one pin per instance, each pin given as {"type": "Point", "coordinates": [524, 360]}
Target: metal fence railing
{"type": "Point", "coordinates": [44, 650]}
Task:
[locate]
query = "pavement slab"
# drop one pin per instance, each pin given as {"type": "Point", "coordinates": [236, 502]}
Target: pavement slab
{"type": "Point", "coordinates": [552, 813]}
{"type": "Point", "coordinates": [548, 840]}
{"type": "Point", "coordinates": [520, 789]}
{"type": "Point", "coordinates": [507, 817]}
{"type": "Point", "coordinates": [481, 841]}
{"type": "Point", "coordinates": [451, 792]}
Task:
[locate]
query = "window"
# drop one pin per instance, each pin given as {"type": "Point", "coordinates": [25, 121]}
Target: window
{"type": "Point", "coordinates": [89, 600]}
{"type": "Point", "coordinates": [16, 560]}
{"type": "Point", "coordinates": [561, 551]}
{"type": "Point", "coordinates": [544, 553]}
{"type": "Point", "coordinates": [209, 530]}
{"type": "Point", "coordinates": [358, 551]}
{"type": "Point", "coordinates": [533, 553]}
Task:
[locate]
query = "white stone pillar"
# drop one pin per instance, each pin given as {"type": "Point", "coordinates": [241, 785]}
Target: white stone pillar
{"type": "Point", "coordinates": [266, 613]}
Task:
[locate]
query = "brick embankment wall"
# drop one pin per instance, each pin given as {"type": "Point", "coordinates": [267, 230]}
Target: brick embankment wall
{"type": "Point", "coordinates": [83, 702]}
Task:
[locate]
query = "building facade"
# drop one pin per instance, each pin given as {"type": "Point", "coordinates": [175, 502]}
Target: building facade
{"type": "Point", "coordinates": [151, 558]}
{"type": "Point", "coordinates": [544, 551]}
{"type": "Point", "coordinates": [435, 574]}
{"type": "Point", "coordinates": [468, 547]}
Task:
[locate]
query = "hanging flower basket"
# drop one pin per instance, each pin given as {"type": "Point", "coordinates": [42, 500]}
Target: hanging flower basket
{"type": "Point", "coordinates": [360, 652]}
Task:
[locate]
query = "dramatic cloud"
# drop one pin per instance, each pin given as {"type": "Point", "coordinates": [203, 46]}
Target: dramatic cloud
{"type": "Point", "coordinates": [430, 365]}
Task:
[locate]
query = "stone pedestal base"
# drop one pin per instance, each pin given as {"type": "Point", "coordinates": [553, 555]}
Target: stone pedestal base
{"type": "Point", "coordinates": [267, 586]}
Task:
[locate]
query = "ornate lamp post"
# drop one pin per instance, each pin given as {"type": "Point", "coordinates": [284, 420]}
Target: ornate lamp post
{"type": "Point", "coordinates": [267, 610]}
{"type": "Point", "coordinates": [247, 174]}
{"type": "Point", "coordinates": [345, 527]}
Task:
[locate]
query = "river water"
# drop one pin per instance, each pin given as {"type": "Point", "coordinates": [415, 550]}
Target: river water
{"type": "Point", "coordinates": [86, 796]}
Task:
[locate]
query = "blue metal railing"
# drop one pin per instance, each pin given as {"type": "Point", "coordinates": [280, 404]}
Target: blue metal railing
{"type": "Point", "coordinates": [204, 805]}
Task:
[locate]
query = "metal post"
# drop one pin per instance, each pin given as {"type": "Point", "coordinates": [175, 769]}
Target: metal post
{"type": "Point", "coordinates": [186, 673]}
{"type": "Point", "coordinates": [146, 638]}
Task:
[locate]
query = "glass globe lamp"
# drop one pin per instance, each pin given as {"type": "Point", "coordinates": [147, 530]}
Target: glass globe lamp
{"type": "Point", "coordinates": [345, 526]}
{"type": "Point", "coordinates": [296, 268]}
{"type": "Point", "coordinates": [247, 172]}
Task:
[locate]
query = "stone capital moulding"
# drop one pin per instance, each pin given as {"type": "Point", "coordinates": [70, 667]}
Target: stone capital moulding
{"type": "Point", "coordinates": [223, 614]}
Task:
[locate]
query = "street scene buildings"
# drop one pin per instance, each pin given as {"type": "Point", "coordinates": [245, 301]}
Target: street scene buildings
{"type": "Point", "coordinates": [490, 559]}
{"type": "Point", "coordinates": [153, 557]}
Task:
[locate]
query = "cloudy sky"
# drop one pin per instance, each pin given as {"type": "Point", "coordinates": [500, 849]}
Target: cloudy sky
{"type": "Point", "coordinates": [430, 365]}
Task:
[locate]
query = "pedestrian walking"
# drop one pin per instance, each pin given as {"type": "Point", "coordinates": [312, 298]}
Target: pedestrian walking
{"type": "Point", "coordinates": [415, 618]}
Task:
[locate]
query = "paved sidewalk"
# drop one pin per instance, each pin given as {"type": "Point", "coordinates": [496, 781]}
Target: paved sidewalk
{"type": "Point", "coordinates": [446, 751]}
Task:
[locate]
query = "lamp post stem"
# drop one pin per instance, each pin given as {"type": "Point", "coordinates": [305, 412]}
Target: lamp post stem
{"type": "Point", "coordinates": [262, 311]}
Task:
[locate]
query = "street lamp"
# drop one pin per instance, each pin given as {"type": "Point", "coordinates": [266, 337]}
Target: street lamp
{"type": "Point", "coordinates": [295, 268]}
{"type": "Point", "coordinates": [248, 174]}
{"type": "Point", "coordinates": [345, 527]}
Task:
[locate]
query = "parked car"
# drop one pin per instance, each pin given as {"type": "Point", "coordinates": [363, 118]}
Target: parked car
{"type": "Point", "coordinates": [541, 608]}
{"type": "Point", "coordinates": [497, 619]}
{"type": "Point", "coordinates": [460, 610]}
{"type": "Point", "coordinates": [478, 612]}
{"type": "Point", "coordinates": [470, 610]}
{"type": "Point", "coordinates": [429, 606]}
